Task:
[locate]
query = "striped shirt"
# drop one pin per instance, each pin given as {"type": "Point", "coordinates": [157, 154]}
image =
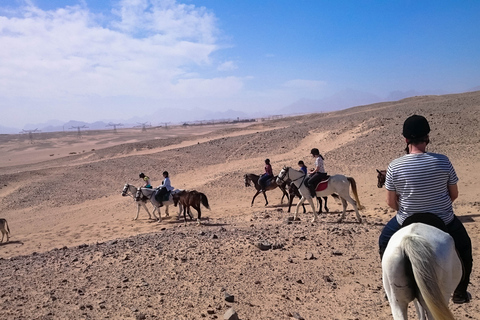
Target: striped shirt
{"type": "Point", "coordinates": [421, 182]}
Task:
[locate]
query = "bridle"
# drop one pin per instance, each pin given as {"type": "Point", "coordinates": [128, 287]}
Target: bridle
{"type": "Point", "coordinates": [126, 191]}
{"type": "Point", "coordinates": [286, 174]}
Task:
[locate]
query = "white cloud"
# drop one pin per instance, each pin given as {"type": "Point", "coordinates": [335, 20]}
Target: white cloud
{"type": "Point", "coordinates": [227, 66]}
{"type": "Point", "coordinates": [150, 50]}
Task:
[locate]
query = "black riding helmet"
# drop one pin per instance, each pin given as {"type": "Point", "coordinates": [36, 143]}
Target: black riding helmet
{"type": "Point", "coordinates": [415, 127]}
{"type": "Point", "coordinates": [141, 175]}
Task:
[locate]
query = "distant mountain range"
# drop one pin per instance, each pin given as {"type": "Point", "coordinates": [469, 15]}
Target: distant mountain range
{"type": "Point", "coordinates": [340, 100]}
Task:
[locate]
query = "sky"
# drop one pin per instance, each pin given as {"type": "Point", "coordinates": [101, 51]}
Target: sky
{"type": "Point", "coordinates": [89, 60]}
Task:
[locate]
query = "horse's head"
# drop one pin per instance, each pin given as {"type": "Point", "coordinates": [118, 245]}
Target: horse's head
{"type": "Point", "coordinates": [283, 175]}
{"type": "Point", "coordinates": [247, 180]}
{"type": "Point", "coordinates": [381, 176]}
{"type": "Point", "coordinates": [125, 189]}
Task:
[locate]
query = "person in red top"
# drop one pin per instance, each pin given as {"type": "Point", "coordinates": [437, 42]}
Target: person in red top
{"type": "Point", "coordinates": [266, 176]}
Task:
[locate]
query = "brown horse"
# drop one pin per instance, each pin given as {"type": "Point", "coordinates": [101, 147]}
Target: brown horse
{"type": "Point", "coordinates": [250, 177]}
{"type": "Point", "coordinates": [189, 199]}
{"type": "Point", "coordinates": [381, 176]}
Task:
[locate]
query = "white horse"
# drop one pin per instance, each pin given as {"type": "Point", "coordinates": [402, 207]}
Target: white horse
{"type": "Point", "coordinates": [420, 263]}
{"type": "Point", "coordinates": [131, 191]}
{"type": "Point", "coordinates": [338, 184]}
{"type": "Point", "coordinates": [150, 194]}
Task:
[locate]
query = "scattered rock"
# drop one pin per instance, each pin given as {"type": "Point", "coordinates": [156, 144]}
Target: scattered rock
{"type": "Point", "coordinates": [231, 314]}
{"type": "Point", "coordinates": [264, 246]}
{"type": "Point", "coordinates": [229, 298]}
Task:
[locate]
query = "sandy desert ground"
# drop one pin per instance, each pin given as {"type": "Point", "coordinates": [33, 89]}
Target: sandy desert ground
{"type": "Point", "coordinates": [76, 253]}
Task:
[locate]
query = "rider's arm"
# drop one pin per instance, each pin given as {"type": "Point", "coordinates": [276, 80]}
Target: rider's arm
{"type": "Point", "coordinates": [392, 199]}
{"type": "Point", "coordinates": [453, 191]}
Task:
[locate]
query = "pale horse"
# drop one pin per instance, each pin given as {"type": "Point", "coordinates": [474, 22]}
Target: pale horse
{"type": "Point", "coordinates": [338, 184]}
{"type": "Point", "coordinates": [420, 263]}
{"type": "Point", "coordinates": [150, 194]}
{"type": "Point", "coordinates": [131, 191]}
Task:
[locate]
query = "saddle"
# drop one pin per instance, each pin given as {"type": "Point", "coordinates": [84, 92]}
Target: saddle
{"type": "Point", "coordinates": [159, 197]}
{"type": "Point", "coordinates": [322, 185]}
{"type": "Point", "coordinates": [426, 218]}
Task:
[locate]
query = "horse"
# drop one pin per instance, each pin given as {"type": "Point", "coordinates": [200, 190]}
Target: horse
{"type": "Point", "coordinates": [131, 191]}
{"type": "Point", "coordinates": [250, 177]}
{"type": "Point", "coordinates": [150, 194]}
{"type": "Point", "coordinates": [293, 192]}
{"type": "Point", "coordinates": [420, 263]}
{"type": "Point", "coordinates": [381, 176]}
{"type": "Point", "coordinates": [338, 184]}
{"type": "Point", "coordinates": [189, 199]}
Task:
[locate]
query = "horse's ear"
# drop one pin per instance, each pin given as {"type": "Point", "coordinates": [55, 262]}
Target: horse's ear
{"type": "Point", "coordinates": [379, 171]}
{"type": "Point", "coordinates": [284, 167]}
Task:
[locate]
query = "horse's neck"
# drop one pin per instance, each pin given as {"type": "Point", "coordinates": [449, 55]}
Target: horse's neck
{"type": "Point", "coordinates": [296, 177]}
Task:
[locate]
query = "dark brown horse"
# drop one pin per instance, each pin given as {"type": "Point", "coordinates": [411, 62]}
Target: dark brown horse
{"type": "Point", "coordinates": [271, 184]}
{"type": "Point", "coordinates": [191, 198]}
{"type": "Point", "coordinates": [381, 176]}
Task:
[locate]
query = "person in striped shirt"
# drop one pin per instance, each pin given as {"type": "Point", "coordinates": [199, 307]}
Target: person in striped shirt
{"type": "Point", "coordinates": [425, 183]}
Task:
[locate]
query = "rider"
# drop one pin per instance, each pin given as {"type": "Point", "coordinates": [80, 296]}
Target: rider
{"type": "Point", "coordinates": [164, 188]}
{"type": "Point", "coordinates": [146, 180]}
{"type": "Point", "coordinates": [266, 176]}
{"type": "Point", "coordinates": [317, 173]}
{"type": "Point", "coordinates": [302, 166]}
{"type": "Point", "coordinates": [422, 182]}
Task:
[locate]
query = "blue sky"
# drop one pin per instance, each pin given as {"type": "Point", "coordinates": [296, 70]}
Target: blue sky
{"type": "Point", "coordinates": [92, 60]}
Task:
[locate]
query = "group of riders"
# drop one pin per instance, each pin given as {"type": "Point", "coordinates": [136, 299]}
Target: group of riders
{"type": "Point", "coordinates": [163, 189]}
{"type": "Point", "coordinates": [421, 186]}
{"type": "Point", "coordinates": [316, 175]}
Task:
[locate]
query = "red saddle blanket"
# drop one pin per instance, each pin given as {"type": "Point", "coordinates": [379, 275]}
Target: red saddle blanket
{"type": "Point", "coordinates": [322, 185]}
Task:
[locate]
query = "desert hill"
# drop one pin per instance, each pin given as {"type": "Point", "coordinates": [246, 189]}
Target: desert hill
{"type": "Point", "coordinates": [76, 253]}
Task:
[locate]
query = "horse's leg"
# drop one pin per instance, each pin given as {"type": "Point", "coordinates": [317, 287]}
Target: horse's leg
{"type": "Point", "coordinates": [344, 205]}
{"type": "Point", "coordinates": [285, 194]}
{"type": "Point", "coordinates": [312, 204]}
{"type": "Point", "coordinates": [326, 208]}
{"type": "Point", "coordinates": [265, 196]}
{"type": "Point", "coordinates": [290, 201]}
{"type": "Point", "coordinates": [354, 204]}
{"type": "Point", "coordinates": [256, 194]}
{"type": "Point", "coordinates": [138, 211]}
{"type": "Point", "coordinates": [319, 201]}
{"type": "Point", "coordinates": [166, 211]}
{"type": "Point", "coordinates": [302, 200]}
{"type": "Point", "coordinates": [159, 214]}
{"type": "Point", "coordinates": [153, 212]}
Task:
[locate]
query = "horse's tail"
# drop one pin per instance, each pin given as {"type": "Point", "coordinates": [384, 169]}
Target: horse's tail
{"type": "Point", "coordinates": [204, 200]}
{"type": "Point", "coordinates": [423, 262]}
{"type": "Point", "coordinates": [355, 193]}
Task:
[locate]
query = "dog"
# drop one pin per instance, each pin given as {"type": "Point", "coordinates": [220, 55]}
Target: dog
{"type": "Point", "coordinates": [5, 230]}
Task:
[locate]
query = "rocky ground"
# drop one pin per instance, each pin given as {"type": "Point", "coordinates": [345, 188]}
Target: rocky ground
{"type": "Point", "coordinates": [75, 252]}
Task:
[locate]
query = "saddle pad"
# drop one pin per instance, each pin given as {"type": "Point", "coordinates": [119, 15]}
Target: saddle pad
{"type": "Point", "coordinates": [322, 185]}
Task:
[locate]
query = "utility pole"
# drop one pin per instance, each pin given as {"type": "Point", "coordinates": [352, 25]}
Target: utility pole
{"type": "Point", "coordinates": [30, 134]}
{"type": "Point", "coordinates": [79, 134]}
{"type": "Point", "coordinates": [115, 125]}
{"type": "Point", "coordinates": [143, 125]}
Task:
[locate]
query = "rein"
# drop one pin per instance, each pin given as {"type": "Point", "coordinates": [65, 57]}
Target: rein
{"type": "Point", "coordinates": [302, 177]}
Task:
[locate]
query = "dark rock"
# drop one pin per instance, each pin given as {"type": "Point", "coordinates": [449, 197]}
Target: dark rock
{"type": "Point", "coordinates": [231, 314]}
{"type": "Point", "coordinates": [229, 298]}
